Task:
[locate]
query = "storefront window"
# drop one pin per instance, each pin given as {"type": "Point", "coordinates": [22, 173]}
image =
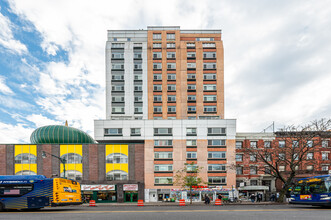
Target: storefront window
{"type": "Point", "coordinates": [106, 196]}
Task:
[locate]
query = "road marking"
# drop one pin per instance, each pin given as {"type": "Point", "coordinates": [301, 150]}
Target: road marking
{"type": "Point", "coordinates": [169, 211]}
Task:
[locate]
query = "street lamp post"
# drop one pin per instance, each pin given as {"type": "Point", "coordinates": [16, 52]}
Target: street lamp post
{"type": "Point", "coordinates": [62, 160]}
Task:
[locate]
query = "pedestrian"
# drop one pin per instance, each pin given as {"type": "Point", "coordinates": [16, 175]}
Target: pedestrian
{"type": "Point", "coordinates": [259, 197]}
{"type": "Point", "coordinates": [207, 200]}
{"type": "Point", "coordinates": [272, 197]}
{"type": "Point", "coordinates": [277, 196]}
{"type": "Point", "coordinates": [253, 198]}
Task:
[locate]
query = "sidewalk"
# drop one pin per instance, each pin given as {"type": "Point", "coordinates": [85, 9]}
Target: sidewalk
{"type": "Point", "coordinates": [177, 204]}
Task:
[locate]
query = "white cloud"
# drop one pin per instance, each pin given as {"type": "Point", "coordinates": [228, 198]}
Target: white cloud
{"type": "Point", "coordinates": [276, 54]}
{"type": "Point", "coordinates": [7, 39]}
{"type": "Point", "coordinates": [13, 134]}
{"type": "Point", "coordinates": [40, 120]}
{"type": "Point", "coordinates": [3, 87]}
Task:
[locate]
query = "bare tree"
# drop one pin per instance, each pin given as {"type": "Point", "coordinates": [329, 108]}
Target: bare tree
{"type": "Point", "coordinates": [294, 151]}
{"type": "Point", "coordinates": [188, 177]}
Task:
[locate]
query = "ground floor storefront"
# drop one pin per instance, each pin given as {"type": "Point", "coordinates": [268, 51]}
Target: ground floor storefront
{"type": "Point", "coordinates": [198, 195]}
{"type": "Point", "coordinates": [104, 193]}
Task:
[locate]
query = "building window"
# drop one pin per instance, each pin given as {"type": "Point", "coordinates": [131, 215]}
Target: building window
{"type": "Point", "coordinates": [191, 109]}
{"type": "Point", "coordinates": [171, 55]}
{"type": "Point", "coordinates": [239, 170]}
{"type": "Point", "coordinates": [310, 143]}
{"type": "Point", "coordinates": [117, 45]}
{"type": "Point", "coordinates": [162, 142]}
{"type": "Point", "coordinates": [325, 155]}
{"type": "Point", "coordinates": [172, 109]}
{"type": "Point", "coordinates": [190, 55]}
{"type": "Point", "coordinates": [281, 144]}
{"type": "Point", "coordinates": [191, 155]}
{"type": "Point", "coordinates": [209, 66]}
{"type": "Point", "coordinates": [138, 88]}
{"type": "Point", "coordinates": [157, 37]}
{"type": "Point", "coordinates": [209, 76]}
{"type": "Point", "coordinates": [162, 131]}
{"type": "Point", "coordinates": [137, 66]}
{"type": "Point", "coordinates": [281, 168]}
{"type": "Point", "coordinates": [281, 156]}
{"type": "Point", "coordinates": [117, 99]}
{"type": "Point", "coordinates": [190, 45]}
{"type": "Point", "coordinates": [163, 155]}
{"type": "Point", "coordinates": [138, 109]}
{"type": "Point", "coordinates": [310, 167]}
{"type": "Point", "coordinates": [191, 142]}
{"type": "Point", "coordinates": [157, 76]}
{"type": "Point", "coordinates": [135, 132]}
{"type": "Point", "coordinates": [191, 87]}
{"type": "Point", "coordinates": [208, 45]}
{"type": "Point", "coordinates": [252, 157]}
{"type": "Point", "coordinates": [325, 168]}
{"type": "Point", "coordinates": [310, 156]}
{"type": "Point", "coordinates": [157, 87]}
{"type": "Point", "coordinates": [253, 182]}
{"type": "Point", "coordinates": [216, 180]}
{"type": "Point", "coordinates": [138, 76]}
{"type": "Point", "coordinates": [119, 88]}
{"type": "Point", "coordinates": [267, 144]}
{"type": "Point", "coordinates": [158, 98]}
{"type": "Point", "coordinates": [157, 55]}
{"type": "Point", "coordinates": [72, 158]}
{"type": "Point", "coordinates": [117, 66]}
{"type": "Point", "coordinates": [117, 110]}
{"type": "Point", "coordinates": [157, 66]}
{"type": "Point", "coordinates": [163, 180]}
{"type": "Point", "coordinates": [191, 98]}
{"type": "Point", "coordinates": [217, 155]}
{"type": "Point", "coordinates": [253, 144]}
{"type": "Point", "coordinates": [239, 157]}
{"type": "Point", "coordinates": [216, 131]}
{"type": "Point", "coordinates": [172, 87]}
{"type": "Point", "coordinates": [191, 76]}
{"type": "Point", "coordinates": [24, 172]}
{"type": "Point", "coordinates": [239, 144]}
{"type": "Point", "coordinates": [171, 65]}
{"type": "Point", "coordinates": [209, 108]}
{"type": "Point", "coordinates": [209, 98]}
{"type": "Point", "coordinates": [216, 167]}
{"type": "Point", "coordinates": [118, 76]}
{"type": "Point", "coordinates": [267, 170]}
{"type": "Point", "coordinates": [163, 167]}
{"type": "Point", "coordinates": [325, 143]}
{"type": "Point", "coordinates": [171, 76]}
{"type": "Point", "coordinates": [191, 65]}
{"type": "Point", "coordinates": [137, 55]}
{"type": "Point", "coordinates": [170, 36]}
{"type": "Point", "coordinates": [209, 87]}
{"type": "Point", "coordinates": [253, 170]}
{"type": "Point", "coordinates": [209, 55]}
{"type": "Point", "coordinates": [295, 156]}
{"type": "Point", "coordinates": [117, 55]}
{"type": "Point", "coordinates": [157, 109]}
{"type": "Point", "coordinates": [191, 131]}
{"type": "Point", "coordinates": [216, 142]}
{"type": "Point", "coordinates": [171, 45]}
{"type": "Point", "coordinates": [171, 98]}
{"type": "Point", "coordinates": [25, 158]}
{"type": "Point", "coordinates": [72, 174]}
{"type": "Point", "coordinates": [116, 175]}
{"type": "Point", "coordinates": [113, 131]}
{"type": "Point", "coordinates": [138, 98]}
{"type": "Point", "coordinates": [117, 158]}
{"type": "Point", "coordinates": [157, 45]}
{"type": "Point", "coordinates": [295, 144]}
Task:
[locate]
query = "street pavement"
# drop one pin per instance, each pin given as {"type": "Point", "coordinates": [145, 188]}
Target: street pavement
{"type": "Point", "coordinates": [171, 212]}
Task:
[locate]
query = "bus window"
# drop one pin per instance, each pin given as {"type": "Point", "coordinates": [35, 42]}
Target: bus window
{"type": "Point", "coordinates": [15, 190]}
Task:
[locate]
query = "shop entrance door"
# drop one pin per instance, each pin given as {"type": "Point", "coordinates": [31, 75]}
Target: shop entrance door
{"type": "Point", "coordinates": [131, 197]}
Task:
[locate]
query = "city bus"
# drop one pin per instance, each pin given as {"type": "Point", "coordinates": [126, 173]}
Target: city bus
{"type": "Point", "coordinates": [37, 191]}
{"type": "Point", "coordinates": [314, 190]}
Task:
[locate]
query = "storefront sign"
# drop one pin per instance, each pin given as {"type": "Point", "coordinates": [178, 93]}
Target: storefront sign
{"type": "Point", "coordinates": [130, 187]}
{"type": "Point", "coordinates": [97, 187]}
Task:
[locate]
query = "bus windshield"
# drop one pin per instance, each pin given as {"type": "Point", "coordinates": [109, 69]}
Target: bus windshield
{"type": "Point", "coordinates": [313, 186]}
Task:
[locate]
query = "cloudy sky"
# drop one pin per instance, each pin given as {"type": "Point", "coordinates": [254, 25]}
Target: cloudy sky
{"type": "Point", "coordinates": [277, 58]}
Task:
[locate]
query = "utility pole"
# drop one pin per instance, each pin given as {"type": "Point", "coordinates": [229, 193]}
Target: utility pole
{"type": "Point", "coordinates": [62, 160]}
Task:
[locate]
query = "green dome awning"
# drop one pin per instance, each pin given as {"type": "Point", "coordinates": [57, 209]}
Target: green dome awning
{"type": "Point", "coordinates": [59, 134]}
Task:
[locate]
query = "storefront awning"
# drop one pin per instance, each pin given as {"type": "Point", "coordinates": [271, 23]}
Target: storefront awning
{"type": "Point", "coordinates": [253, 188]}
